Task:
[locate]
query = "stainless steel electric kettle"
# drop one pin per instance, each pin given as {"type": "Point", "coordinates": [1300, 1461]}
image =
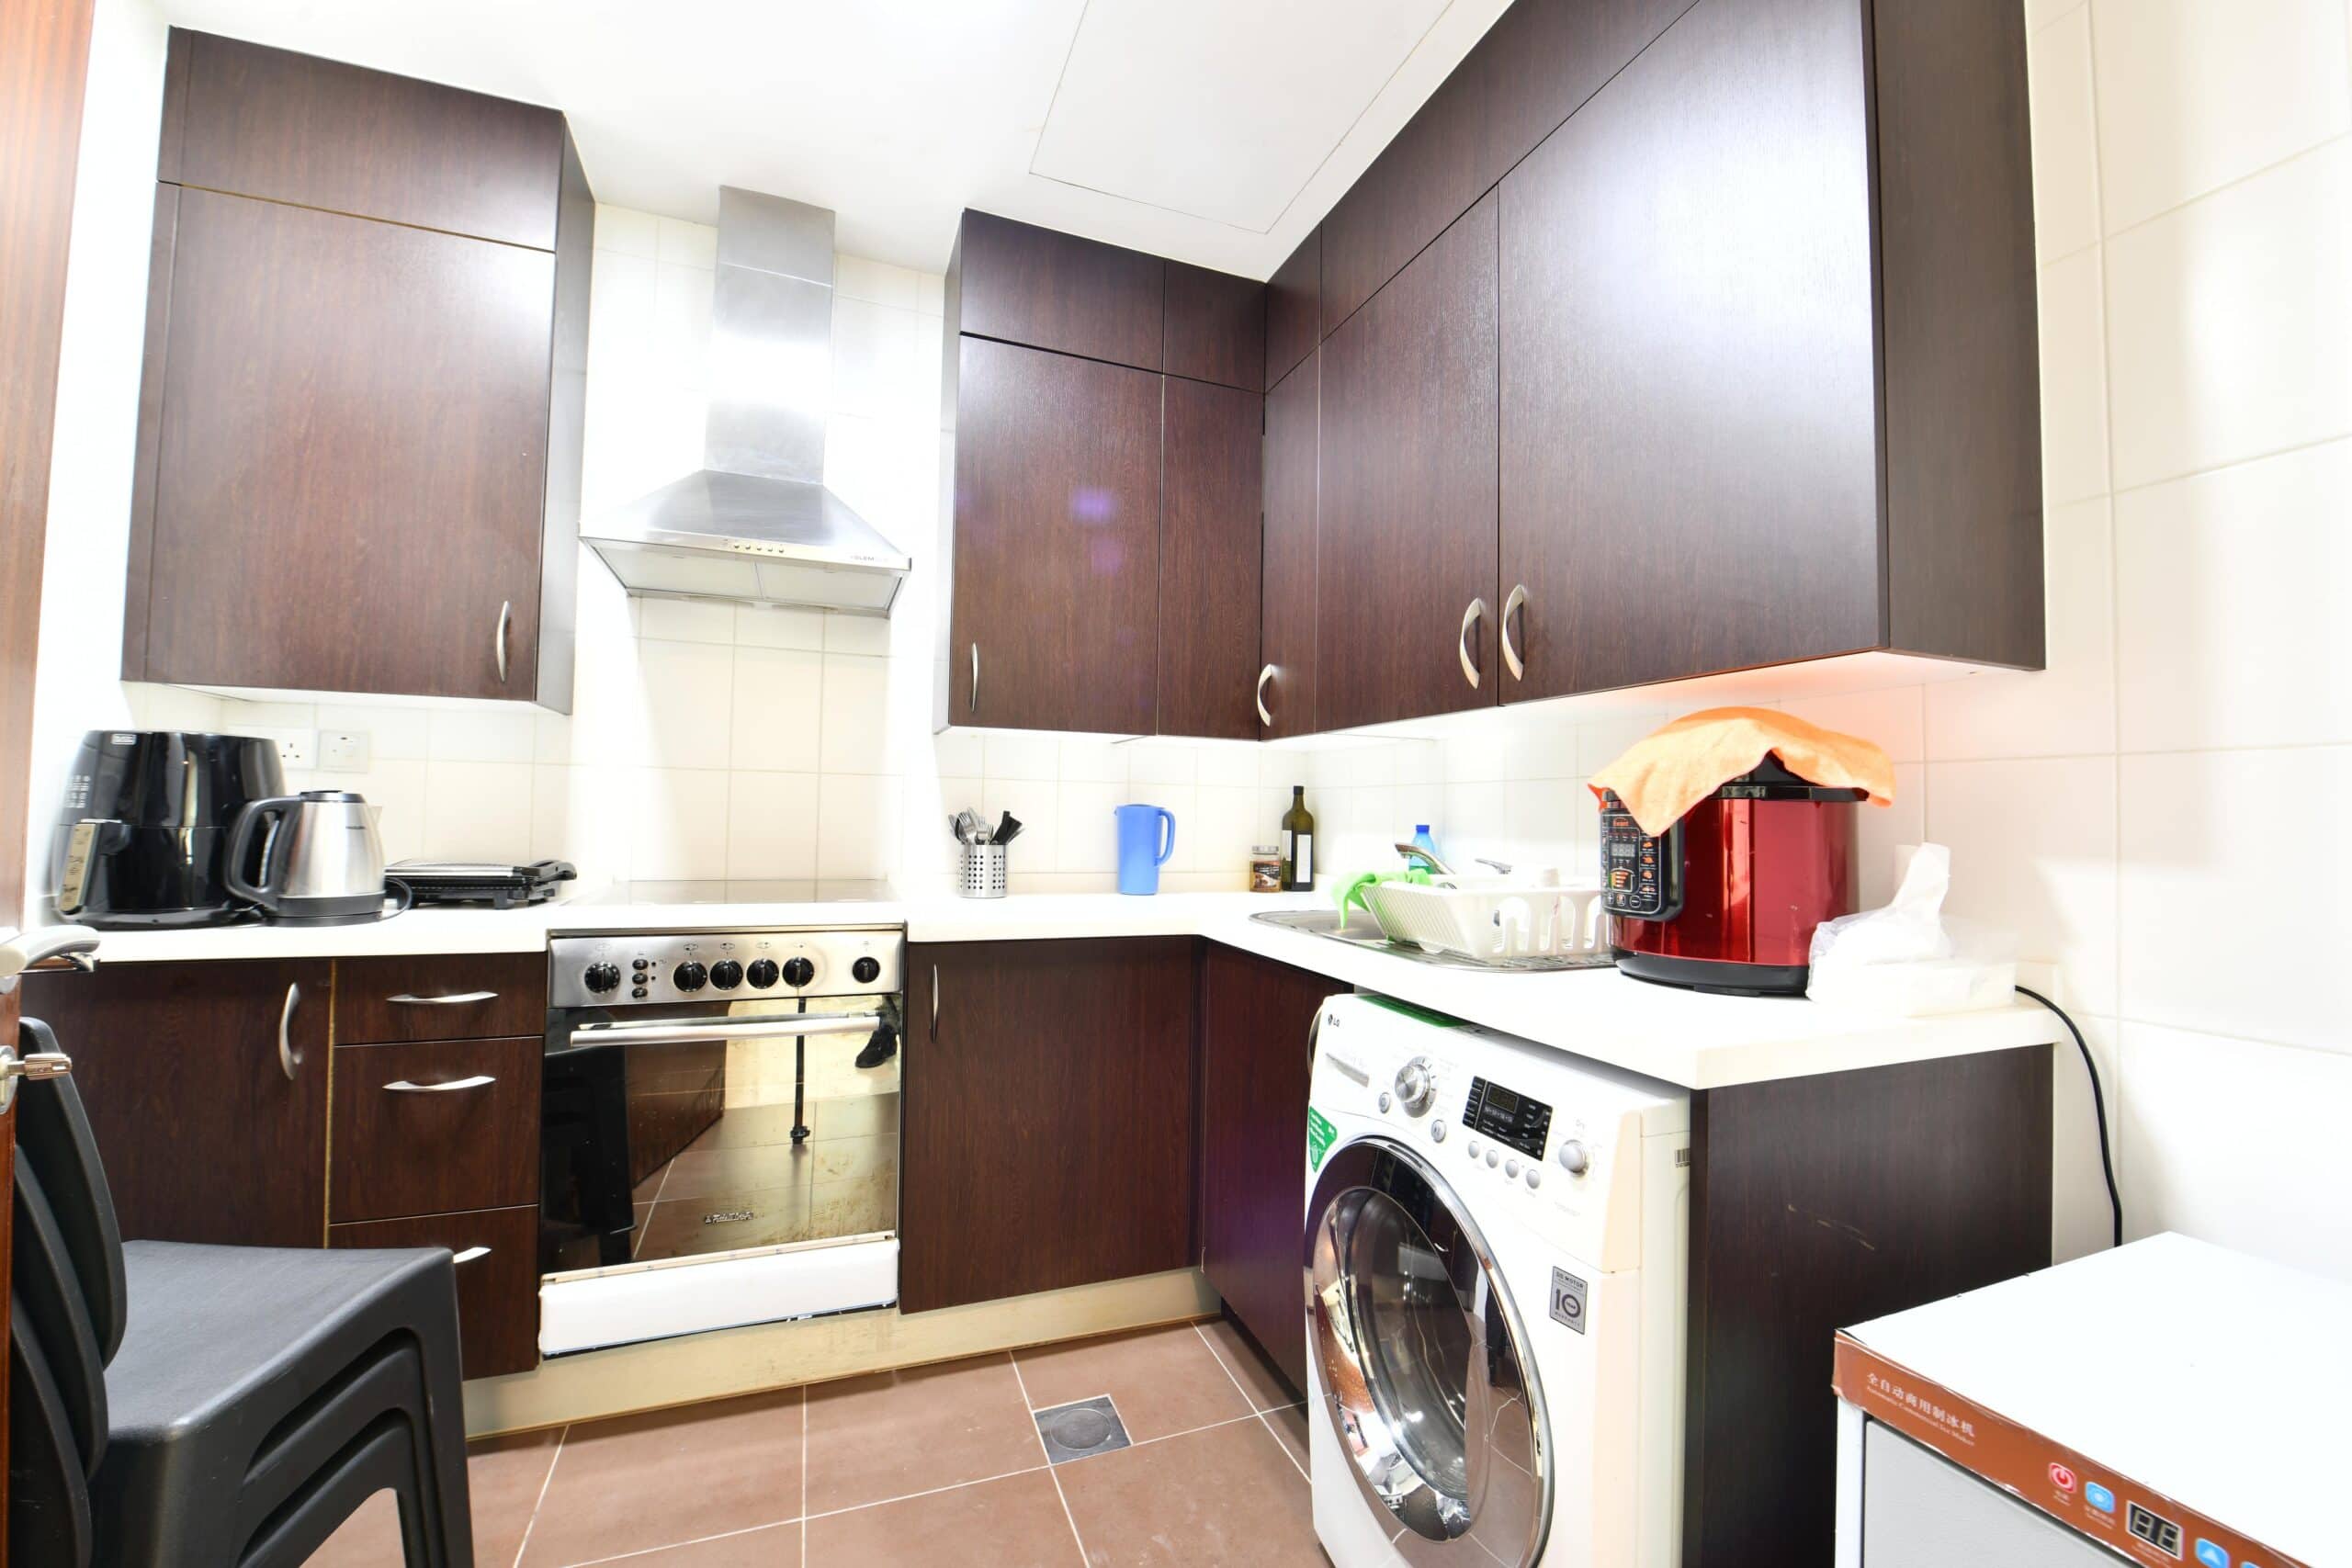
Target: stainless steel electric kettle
{"type": "Point", "coordinates": [322, 863]}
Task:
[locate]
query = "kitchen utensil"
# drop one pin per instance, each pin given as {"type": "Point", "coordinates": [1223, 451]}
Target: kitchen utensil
{"type": "Point", "coordinates": [499, 885]}
{"type": "Point", "coordinates": [1483, 917]}
{"type": "Point", "coordinates": [145, 819]}
{"type": "Point", "coordinates": [1007, 831]}
{"type": "Point", "coordinates": [966, 824]}
{"type": "Point", "coordinates": [983, 872]}
{"type": "Point", "coordinates": [1146, 838]}
{"type": "Point", "coordinates": [1728, 898]}
{"type": "Point", "coordinates": [320, 865]}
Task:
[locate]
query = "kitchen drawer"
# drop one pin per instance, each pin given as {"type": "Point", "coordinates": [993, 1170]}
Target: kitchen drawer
{"type": "Point", "coordinates": [498, 1290]}
{"type": "Point", "coordinates": [427, 1150]}
{"type": "Point", "coordinates": [471, 996]}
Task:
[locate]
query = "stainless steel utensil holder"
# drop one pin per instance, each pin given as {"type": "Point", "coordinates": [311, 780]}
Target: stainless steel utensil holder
{"type": "Point", "coordinates": [983, 871]}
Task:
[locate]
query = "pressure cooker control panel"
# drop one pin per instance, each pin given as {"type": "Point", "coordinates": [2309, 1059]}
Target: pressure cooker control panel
{"type": "Point", "coordinates": [1641, 877]}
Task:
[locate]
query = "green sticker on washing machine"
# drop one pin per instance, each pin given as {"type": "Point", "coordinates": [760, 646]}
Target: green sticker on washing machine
{"type": "Point", "coordinates": [1319, 1134]}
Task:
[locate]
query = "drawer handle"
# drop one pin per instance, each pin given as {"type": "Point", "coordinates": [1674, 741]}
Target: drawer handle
{"type": "Point", "coordinates": [481, 1080]}
{"type": "Point", "coordinates": [506, 621]}
{"type": "Point", "coordinates": [288, 1057]}
{"type": "Point", "coordinates": [469, 1254]}
{"type": "Point", "coordinates": [1263, 716]}
{"type": "Point", "coordinates": [455, 999]}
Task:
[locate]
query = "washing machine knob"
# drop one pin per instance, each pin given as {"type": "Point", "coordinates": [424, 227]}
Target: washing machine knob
{"type": "Point", "coordinates": [1416, 1086]}
{"type": "Point", "coordinates": [1510, 1169]}
{"type": "Point", "coordinates": [1575, 1158]}
{"type": "Point", "coordinates": [1437, 1131]}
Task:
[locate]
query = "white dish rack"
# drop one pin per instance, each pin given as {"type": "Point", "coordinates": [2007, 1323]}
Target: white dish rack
{"type": "Point", "coordinates": [1489, 917]}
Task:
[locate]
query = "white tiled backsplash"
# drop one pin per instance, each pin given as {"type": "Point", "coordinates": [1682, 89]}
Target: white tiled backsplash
{"type": "Point", "coordinates": [2193, 209]}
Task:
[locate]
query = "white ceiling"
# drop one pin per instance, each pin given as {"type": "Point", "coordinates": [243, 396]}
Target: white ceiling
{"type": "Point", "coordinates": [1221, 141]}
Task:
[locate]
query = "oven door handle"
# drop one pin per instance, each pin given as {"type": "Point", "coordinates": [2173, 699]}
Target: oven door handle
{"type": "Point", "coordinates": [790, 1028]}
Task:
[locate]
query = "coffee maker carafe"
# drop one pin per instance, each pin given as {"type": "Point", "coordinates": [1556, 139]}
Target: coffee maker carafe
{"type": "Point", "coordinates": [142, 832]}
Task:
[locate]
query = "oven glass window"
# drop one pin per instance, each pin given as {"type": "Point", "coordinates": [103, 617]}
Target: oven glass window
{"type": "Point", "coordinates": [1416, 1345]}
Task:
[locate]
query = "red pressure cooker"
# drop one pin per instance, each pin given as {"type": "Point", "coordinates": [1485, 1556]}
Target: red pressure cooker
{"type": "Point", "coordinates": [1727, 898]}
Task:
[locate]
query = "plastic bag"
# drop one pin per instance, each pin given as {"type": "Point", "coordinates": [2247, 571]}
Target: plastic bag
{"type": "Point", "coordinates": [1910, 958]}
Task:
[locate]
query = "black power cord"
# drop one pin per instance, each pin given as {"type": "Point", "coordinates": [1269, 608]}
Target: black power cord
{"type": "Point", "coordinates": [2098, 1108]}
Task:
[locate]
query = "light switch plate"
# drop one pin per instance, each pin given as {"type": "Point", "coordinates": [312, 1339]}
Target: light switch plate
{"type": "Point", "coordinates": [342, 750]}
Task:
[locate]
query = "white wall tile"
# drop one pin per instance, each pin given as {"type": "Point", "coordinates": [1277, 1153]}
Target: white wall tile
{"type": "Point", "coordinates": [2074, 379]}
{"type": "Point", "coordinates": [393, 732]}
{"type": "Point", "coordinates": [686, 620]}
{"type": "Point", "coordinates": [1087, 837]}
{"type": "Point", "coordinates": [1037, 804]}
{"type": "Point", "coordinates": [773, 626]}
{"type": "Point", "coordinates": [2193, 95]}
{"type": "Point", "coordinates": [772, 825]}
{"type": "Point", "coordinates": [1090, 759]}
{"type": "Point", "coordinates": [2068, 708]}
{"type": "Point", "coordinates": [2082, 1216]}
{"type": "Point", "coordinates": [2238, 1144]}
{"type": "Point", "coordinates": [856, 278]}
{"type": "Point", "coordinates": [2233, 590]}
{"type": "Point", "coordinates": [681, 243]}
{"type": "Point", "coordinates": [778, 697]}
{"type": "Point", "coordinates": [2229, 319]}
{"type": "Point", "coordinates": [1879, 833]}
{"type": "Point", "coordinates": [1231, 766]}
{"type": "Point", "coordinates": [2230, 924]}
{"type": "Point", "coordinates": [857, 634]}
{"type": "Point", "coordinates": [682, 304]}
{"type": "Point", "coordinates": [678, 827]}
{"type": "Point", "coordinates": [2033, 852]}
{"type": "Point", "coordinates": [477, 810]}
{"type": "Point", "coordinates": [1225, 826]}
{"type": "Point", "coordinates": [1010, 755]}
{"type": "Point", "coordinates": [396, 787]}
{"type": "Point", "coordinates": [2042, 13]}
{"type": "Point", "coordinates": [482, 735]}
{"type": "Point", "coordinates": [626, 231]}
{"type": "Point", "coordinates": [1895, 718]}
{"type": "Point", "coordinates": [1161, 762]}
{"type": "Point", "coordinates": [853, 730]}
{"type": "Point", "coordinates": [2066, 139]}
{"type": "Point", "coordinates": [857, 827]}
{"type": "Point", "coordinates": [877, 365]}
{"type": "Point", "coordinates": [684, 696]}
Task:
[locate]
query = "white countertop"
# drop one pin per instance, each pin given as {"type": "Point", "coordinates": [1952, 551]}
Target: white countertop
{"type": "Point", "coordinates": [1699, 1041]}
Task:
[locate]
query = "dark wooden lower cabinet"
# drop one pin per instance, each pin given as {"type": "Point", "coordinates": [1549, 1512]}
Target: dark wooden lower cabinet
{"type": "Point", "coordinates": [498, 1288]}
{"type": "Point", "coordinates": [207, 1089]}
{"type": "Point", "coordinates": [1256, 1059]}
{"type": "Point", "coordinates": [1818, 1202]}
{"type": "Point", "coordinates": [435, 1127]}
{"type": "Point", "coordinates": [1049, 1116]}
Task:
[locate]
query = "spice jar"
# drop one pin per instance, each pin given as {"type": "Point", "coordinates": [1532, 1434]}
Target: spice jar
{"type": "Point", "coordinates": [1265, 868]}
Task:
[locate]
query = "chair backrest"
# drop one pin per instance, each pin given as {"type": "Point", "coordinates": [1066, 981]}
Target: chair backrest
{"type": "Point", "coordinates": [53, 1133]}
{"type": "Point", "coordinates": [48, 1494]}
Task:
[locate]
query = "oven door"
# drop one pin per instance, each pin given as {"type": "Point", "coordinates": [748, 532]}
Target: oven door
{"type": "Point", "coordinates": [717, 1164]}
{"type": "Point", "coordinates": [1420, 1362]}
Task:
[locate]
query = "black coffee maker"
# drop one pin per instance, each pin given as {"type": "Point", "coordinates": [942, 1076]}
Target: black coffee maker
{"type": "Point", "coordinates": [144, 824]}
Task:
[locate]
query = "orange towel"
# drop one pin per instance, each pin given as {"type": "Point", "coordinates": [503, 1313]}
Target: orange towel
{"type": "Point", "coordinates": [1673, 769]}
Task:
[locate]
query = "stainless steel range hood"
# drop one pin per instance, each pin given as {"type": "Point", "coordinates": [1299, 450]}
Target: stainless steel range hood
{"type": "Point", "coordinates": [756, 521]}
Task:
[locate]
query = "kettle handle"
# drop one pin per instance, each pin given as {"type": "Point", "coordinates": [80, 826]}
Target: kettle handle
{"type": "Point", "coordinates": [241, 837]}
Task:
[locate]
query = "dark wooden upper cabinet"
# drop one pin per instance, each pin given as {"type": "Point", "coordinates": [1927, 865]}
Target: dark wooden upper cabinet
{"type": "Point", "coordinates": [1257, 1055]}
{"type": "Point", "coordinates": [359, 439]}
{"type": "Point", "coordinates": [1018, 283]}
{"type": "Point", "coordinates": [1056, 616]}
{"type": "Point", "coordinates": [1215, 328]}
{"type": "Point", "coordinates": [1295, 308]}
{"type": "Point", "coordinates": [1540, 60]}
{"type": "Point", "coordinates": [242, 118]}
{"type": "Point", "coordinates": [1691, 373]}
{"type": "Point", "coordinates": [1287, 616]}
{"type": "Point", "coordinates": [1209, 560]}
{"type": "Point", "coordinates": [1406, 521]}
{"type": "Point", "coordinates": [206, 1086]}
{"type": "Point", "coordinates": [349, 459]}
{"type": "Point", "coordinates": [1049, 1116]}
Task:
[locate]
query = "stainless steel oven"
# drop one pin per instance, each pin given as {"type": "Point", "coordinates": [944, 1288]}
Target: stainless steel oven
{"type": "Point", "coordinates": [719, 1131]}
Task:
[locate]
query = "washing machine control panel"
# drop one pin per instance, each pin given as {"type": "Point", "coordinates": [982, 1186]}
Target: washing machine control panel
{"type": "Point", "coordinates": [1508, 1117]}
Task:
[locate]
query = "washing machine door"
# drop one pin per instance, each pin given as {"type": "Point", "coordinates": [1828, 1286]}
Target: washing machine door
{"type": "Point", "coordinates": [1423, 1362]}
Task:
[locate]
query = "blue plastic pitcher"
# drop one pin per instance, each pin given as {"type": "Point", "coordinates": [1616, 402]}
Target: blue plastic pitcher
{"type": "Point", "coordinates": [1146, 838]}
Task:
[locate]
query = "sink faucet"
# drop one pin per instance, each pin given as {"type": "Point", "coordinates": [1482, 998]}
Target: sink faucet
{"type": "Point", "coordinates": [1416, 853]}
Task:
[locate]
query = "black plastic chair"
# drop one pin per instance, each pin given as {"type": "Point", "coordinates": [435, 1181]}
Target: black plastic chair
{"type": "Point", "coordinates": [177, 1405]}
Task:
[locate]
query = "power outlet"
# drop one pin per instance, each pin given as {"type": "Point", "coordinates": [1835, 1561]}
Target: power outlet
{"type": "Point", "coordinates": [298, 750]}
{"type": "Point", "coordinates": [342, 750]}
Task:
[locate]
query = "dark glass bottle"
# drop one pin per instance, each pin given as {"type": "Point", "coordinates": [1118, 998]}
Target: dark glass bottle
{"type": "Point", "coordinates": [1298, 843]}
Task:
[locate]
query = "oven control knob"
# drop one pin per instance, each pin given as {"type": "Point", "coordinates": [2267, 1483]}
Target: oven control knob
{"type": "Point", "coordinates": [762, 972]}
{"type": "Point", "coordinates": [689, 976]}
{"type": "Point", "coordinates": [1416, 1086]}
{"type": "Point", "coordinates": [799, 972]}
{"type": "Point", "coordinates": [1575, 1158]}
{"type": "Point", "coordinates": [601, 977]}
{"type": "Point", "coordinates": [727, 973]}
{"type": "Point", "coordinates": [866, 970]}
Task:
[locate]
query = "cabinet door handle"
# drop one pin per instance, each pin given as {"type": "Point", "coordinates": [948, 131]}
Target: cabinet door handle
{"type": "Point", "coordinates": [1511, 660]}
{"type": "Point", "coordinates": [479, 1080]}
{"type": "Point", "coordinates": [453, 1000]}
{"type": "Point", "coordinates": [288, 1058]}
{"type": "Point", "coordinates": [469, 1254]}
{"type": "Point", "coordinates": [973, 706]}
{"type": "Point", "coordinates": [1263, 676]}
{"type": "Point", "coordinates": [1470, 618]}
{"type": "Point", "coordinates": [505, 620]}
{"type": "Point", "coordinates": [935, 1001]}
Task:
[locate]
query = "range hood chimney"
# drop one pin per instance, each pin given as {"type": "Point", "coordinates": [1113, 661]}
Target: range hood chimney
{"type": "Point", "coordinates": [756, 521]}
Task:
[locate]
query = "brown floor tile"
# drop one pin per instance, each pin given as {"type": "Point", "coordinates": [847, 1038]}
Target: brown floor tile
{"type": "Point", "coordinates": [1289, 1423]}
{"type": "Point", "coordinates": [775, 1546]}
{"type": "Point", "coordinates": [1225, 1497]}
{"type": "Point", "coordinates": [1267, 1389]}
{"type": "Point", "coordinates": [672, 1476]}
{"type": "Point", "coordinates": [504, 1476]}
{"type": "Point", "coordinates": [683, 1227]}
{"type": "Point", "coordinates": [1016, 1522]}
{"type": "Point", "coordinates": [1164, 1380]}
{"type": "Point", "coordinates": [895, 1433]}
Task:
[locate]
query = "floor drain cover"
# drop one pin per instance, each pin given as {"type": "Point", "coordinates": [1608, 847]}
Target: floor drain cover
{"type": "Point", "coordinates": [1074, 1431]}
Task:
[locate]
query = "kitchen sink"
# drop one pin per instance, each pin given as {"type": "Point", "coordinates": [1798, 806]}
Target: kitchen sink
{"type": "Point", "coordinates": [1358, 929]}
